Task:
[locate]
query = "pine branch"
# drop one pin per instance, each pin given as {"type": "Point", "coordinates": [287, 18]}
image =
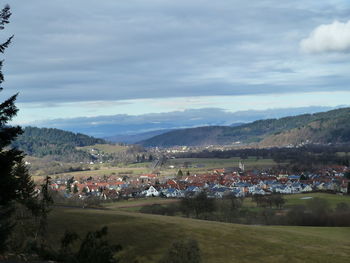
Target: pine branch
{"type": "Point", "coordinates": [8, 110]}
{"type": "Point", "coordinates": [5, 15]}
{"type": "Point", "coordinates": [1, 75]}
{"type": "Point", "coordinates": [5, 45]}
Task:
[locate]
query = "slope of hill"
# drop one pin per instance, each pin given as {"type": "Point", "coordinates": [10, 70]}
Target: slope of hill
{"type": "Point", "coordinates": [146, 237]}
{"type": "Point", "coordinates": [326, 127]}
{"type": "Point", "coordinates": [136, 137]}
{"type": "Point", "coordinates": [59, 144]}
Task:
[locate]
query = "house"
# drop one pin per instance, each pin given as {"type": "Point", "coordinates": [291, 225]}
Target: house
{"type": "Point", "coordinates": [238, 193]}
{"type": "Point", "coordinates": [319, 186]}
{"type": "Point", "coordinates": [172, 193]}
{"type": "Point", "coordinates": [258, 191]}
{"type": "Point", "coordinates": [151, 191]}
{"type": "Point", "coordinates": [192, 190]}
{"type": "Point", "coordinates": [296, 188]}
{"type": "Point", "coordinates": [306, 188]}
{"type": "Point", "coordinates": [344, 188]}
{"type": "Point", "coordinates": [283, 189]}
{"type": "Point", "coordinates": [220, 192]}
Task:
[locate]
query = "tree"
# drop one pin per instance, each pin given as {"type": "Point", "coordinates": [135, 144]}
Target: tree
{"type": "Point", "coordinates": [347, 175]}
{"type": "Point", "coordinates": [45, 207]}
{"type": "Point", "coordinates": [94, 248]}
{"type": "Point", "coordinates": [278, 200]}
{"type": "Point", "coordinates": [179, 173]}
{"type": "Point", "coordinates": [68, 187]}
{"type": "Point", "coordinates": [75, 189]}
{"type": "Point", "coordinates": [197, 205]}
{"type": "Point", "coordinates": [203, 204]}
{"type": "Point", "coordinates": [303, 177]}
{"type": "Point", "coordinates": [26, 194]}
{"type": "Point", "coordinates": [236, 203]}
{"type": "Point", "coordinates": [15, 185]}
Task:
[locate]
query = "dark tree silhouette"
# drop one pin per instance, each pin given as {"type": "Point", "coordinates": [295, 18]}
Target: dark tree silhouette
{"type": "Point", "coordinates": [95, 248]}
{"type": "Point", "coordinates": [11, 181]}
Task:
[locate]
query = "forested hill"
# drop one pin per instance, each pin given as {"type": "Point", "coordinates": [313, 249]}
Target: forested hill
{"type": "Point", "coordinates": [326, 127]}
{"type": "Point", "coordinates": [59, 144]}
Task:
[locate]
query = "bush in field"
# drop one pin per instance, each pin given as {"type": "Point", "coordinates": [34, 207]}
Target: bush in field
{"type": "Point", "coordinates": [276, 200]}
{"type": "Point", "coordinates": [94, 247]}
{"type": "Point", "coordinates": [158, 209]}
{"type": "Point", "coordinates": [184, 251]}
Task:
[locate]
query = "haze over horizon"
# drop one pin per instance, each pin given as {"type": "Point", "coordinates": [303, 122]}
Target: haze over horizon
{"type": "Point", "coordinates": [114, 126]}
{"type": "Point", "coordinates": [157, 57]}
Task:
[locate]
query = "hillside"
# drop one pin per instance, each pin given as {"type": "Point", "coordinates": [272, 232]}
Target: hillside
{"type": "Point", "coordinates": [58, 144]}
{"type": "Point", "coordinates": [325, 127]}
{"type": "Point", "coordinates": [132, 138]}
{"type": "Point", "coordinates": [146, 237]}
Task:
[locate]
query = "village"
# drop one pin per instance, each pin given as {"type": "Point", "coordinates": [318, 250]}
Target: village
{"type": "Point", "coordinates": [218, 183]}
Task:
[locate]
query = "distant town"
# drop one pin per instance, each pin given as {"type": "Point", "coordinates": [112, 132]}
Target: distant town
{"type": "Point", "coordinates": [220, 183]}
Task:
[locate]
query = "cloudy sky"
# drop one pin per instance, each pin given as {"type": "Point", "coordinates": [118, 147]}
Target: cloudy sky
{"type": "Point", "coordinates": [86, 58]}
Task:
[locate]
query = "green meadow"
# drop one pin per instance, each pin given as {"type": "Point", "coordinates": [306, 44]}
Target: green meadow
{"type": "Point", "coordinates": [170, 168]}
{"type": "Point", "coordinates": [147, 237]}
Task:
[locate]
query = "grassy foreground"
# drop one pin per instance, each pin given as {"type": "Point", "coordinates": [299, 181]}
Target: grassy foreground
{"type": "Point", "coordinates": [149, 236]}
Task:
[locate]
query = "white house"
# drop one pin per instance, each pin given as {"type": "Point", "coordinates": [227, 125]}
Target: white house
{"type": "Point", "coordinates": [151, 192]}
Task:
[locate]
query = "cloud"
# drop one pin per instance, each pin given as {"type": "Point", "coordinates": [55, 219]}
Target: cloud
{"type": "Point", "coordinates": [333, 37]}
{"type": "Point", "coordinates": [87, 50]}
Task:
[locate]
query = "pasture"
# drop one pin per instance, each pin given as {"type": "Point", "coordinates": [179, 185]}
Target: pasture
{"type": "Point", "coordinates": [146, 237]}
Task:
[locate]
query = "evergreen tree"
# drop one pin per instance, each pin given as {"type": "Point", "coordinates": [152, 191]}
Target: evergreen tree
{"type": "Point", "coordinates": [84, 190]}
{"type": "Point", "coordinates": [26, 194]}
{"type": "Point", "coordinates": [15, 184]}
{"type": "Point", "coordinates": [303, 177]}
{"type": "Point", "coordinates": [75, 189]}
{"type": "Point", "coordinates": [68, 187]}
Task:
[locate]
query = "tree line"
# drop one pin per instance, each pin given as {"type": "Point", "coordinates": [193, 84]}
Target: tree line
{"type": "Point", "coordinates": [270, 210]}
{"type": "Point", "coordinates": [297, 159]}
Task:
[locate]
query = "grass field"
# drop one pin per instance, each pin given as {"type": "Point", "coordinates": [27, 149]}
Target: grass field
{"type": "Point", "coordinates": [212, 163]}
{"type": "Point", "coordinates": [196, 165]}
{"type": "Point", "coordinates": [333, 199]}
{"type": "Point", "coordinates": [291, 200]}
{"type": "Point", "coordinates": [149, 236]}
{"type": "Point", "coordinates": [302, 199]}
{"type": "Point", "coordinates": [107, 171]}
{"type": "Point", "coordinates": [106, 148]}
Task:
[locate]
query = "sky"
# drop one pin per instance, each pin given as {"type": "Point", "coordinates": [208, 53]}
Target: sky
{"type": "Point", "coordinates": [89, 58]}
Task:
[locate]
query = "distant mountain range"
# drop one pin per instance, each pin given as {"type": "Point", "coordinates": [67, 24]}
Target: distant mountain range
{"type": "Point", "coordinates": [326, 127]}
{"type": "Point", "coordinates": [123, 127]}
{"type": "Point", "coordinates": [133, 138]}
